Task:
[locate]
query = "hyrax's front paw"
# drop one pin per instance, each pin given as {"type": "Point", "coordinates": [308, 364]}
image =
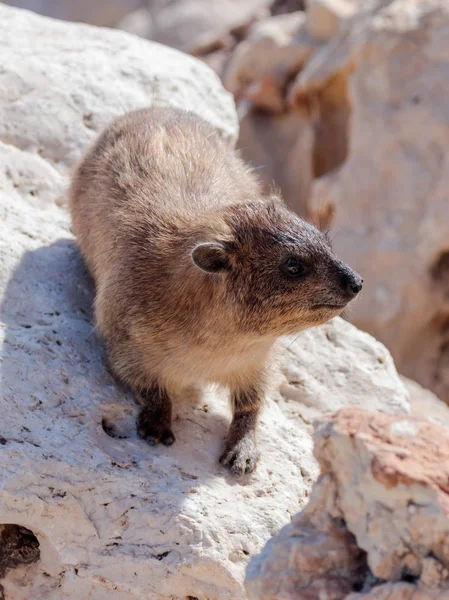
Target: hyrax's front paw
{"type": "Point", "coordinates": [240, 456]}
{"type": "Point", "coordinates": [154, 430]}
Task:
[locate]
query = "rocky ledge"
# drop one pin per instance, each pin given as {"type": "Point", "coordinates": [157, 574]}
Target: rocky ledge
{"type": "Point", "coordinates": [377, 523]}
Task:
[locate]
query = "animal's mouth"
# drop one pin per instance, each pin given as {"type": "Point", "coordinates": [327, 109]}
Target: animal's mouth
{"type": "Point", "coordinates": [330, 306]}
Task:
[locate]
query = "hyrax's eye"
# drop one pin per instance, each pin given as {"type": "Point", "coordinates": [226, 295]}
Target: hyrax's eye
{"type": "Point", "coordinates": [294, 268]}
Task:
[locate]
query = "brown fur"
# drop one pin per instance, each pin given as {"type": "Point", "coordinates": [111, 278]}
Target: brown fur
{"type": "Point", "coordinates": [155, 185]}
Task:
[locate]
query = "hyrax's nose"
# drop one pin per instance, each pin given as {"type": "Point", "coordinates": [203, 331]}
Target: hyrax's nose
{"type": "Point", "coordinates": [351, 282]}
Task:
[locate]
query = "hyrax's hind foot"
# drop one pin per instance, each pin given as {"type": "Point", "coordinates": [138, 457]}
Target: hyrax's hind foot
{"type": "Point", "coordinates": [154, 420]}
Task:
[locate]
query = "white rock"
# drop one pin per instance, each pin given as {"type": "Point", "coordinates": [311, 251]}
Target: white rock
{"type": "Point", "coordinates": [62, 83]}
{"type": "Point", "coordinates": [116, 519]}
{"type": "Point", "coordinates": [353, 369]}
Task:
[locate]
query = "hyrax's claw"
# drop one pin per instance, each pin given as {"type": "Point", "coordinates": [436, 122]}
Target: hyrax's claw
{"type": "Point", "coordinates": [155, 436]}
{"type": "Point", "coordinates": [153, 430]}
{"type": "Point", "coordinates": [168, 437]}
{"type": "Point", "coordinates": [240, 458]}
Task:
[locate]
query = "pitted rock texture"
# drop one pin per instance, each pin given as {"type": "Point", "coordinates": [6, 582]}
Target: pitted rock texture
{"type": "Point", "coordinates": [115, 519]}
{"type": "Point", "coordinates": [377, 523]}
{"type": "Point", "coordinates": [352, 368]}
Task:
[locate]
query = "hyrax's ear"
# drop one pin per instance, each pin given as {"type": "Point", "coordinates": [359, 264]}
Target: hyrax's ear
{"type": "Point", "coordinates": [211, 257]}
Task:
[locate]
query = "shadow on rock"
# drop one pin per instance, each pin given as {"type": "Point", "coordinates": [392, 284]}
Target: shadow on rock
{"type": "Point", "coordinates": [63, 407]}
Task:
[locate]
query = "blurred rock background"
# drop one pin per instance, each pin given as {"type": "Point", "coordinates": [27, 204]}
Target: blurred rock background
{"type": "Point", "coordinates": [106, 13]}
{"type": "Point", "coordinates": [343, 104]}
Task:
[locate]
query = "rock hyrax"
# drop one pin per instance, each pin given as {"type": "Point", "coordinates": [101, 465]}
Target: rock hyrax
{"type": "Point", "coordinates": [197, 273]}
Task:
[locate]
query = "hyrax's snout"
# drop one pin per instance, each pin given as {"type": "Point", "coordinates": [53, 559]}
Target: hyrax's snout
{"type": "Point", "coordinates": [351, 282]}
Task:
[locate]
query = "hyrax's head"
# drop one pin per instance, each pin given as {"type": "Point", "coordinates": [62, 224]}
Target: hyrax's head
{"type": "Point", "coordinates": [278, 270]}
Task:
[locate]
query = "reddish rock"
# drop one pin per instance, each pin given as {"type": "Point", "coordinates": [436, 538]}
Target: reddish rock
{"type": "Point", "coordinates": [377, 525]}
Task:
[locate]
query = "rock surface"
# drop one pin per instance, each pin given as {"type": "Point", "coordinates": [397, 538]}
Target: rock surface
{"type": "Point", "coordinates": [114, 518]}
{"type": "Point", "coordinates": [290, 141]}
{"type": "Point", "coordinates": [63, 83]}
{"type": "Point", "coordinates": [377, 523]}
{"type": "Point", "coordinates": [424, 404]}
{"type": "Point", "coordinates": [195, 26]}
{"type": "Point", "coordinates": [352, 368]}
{"type": "Point", "coordinates": [326, 17]}
{"type": "Point", "coordinates": [390, 198]}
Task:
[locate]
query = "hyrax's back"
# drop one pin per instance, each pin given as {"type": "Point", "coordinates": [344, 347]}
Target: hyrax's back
{"type": "Point", "coordinates": [157, 167]}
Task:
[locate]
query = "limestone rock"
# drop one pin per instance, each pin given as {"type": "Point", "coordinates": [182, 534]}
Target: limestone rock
{"type": "Point", "coordinates": [269, 45]}
{"type": "Point", "coordinates": [424, 404]}
{"type": "Point", "coordinates": [281, 45]}
{"type": "Point", "coordinates": [209, 29]}
{"type": "Point", "coordinates": [390, 198]}
{"type": "Point", "coordinates": [377, 523]}
{"type": "Point", "coordinates": [277, 144]}
{"type": "Point", "coordinates": [192, 24]}
{"type": "Point", "coordinates": [353, 370]}
{"type": "Point", "coordinates": [62, 83]}
{"type": "Point", "coordinates": [290, 138]}
{"type": "Point", "coordinates": [114, 518]}
{"type": "Point", "coordinates": [273, 138]}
